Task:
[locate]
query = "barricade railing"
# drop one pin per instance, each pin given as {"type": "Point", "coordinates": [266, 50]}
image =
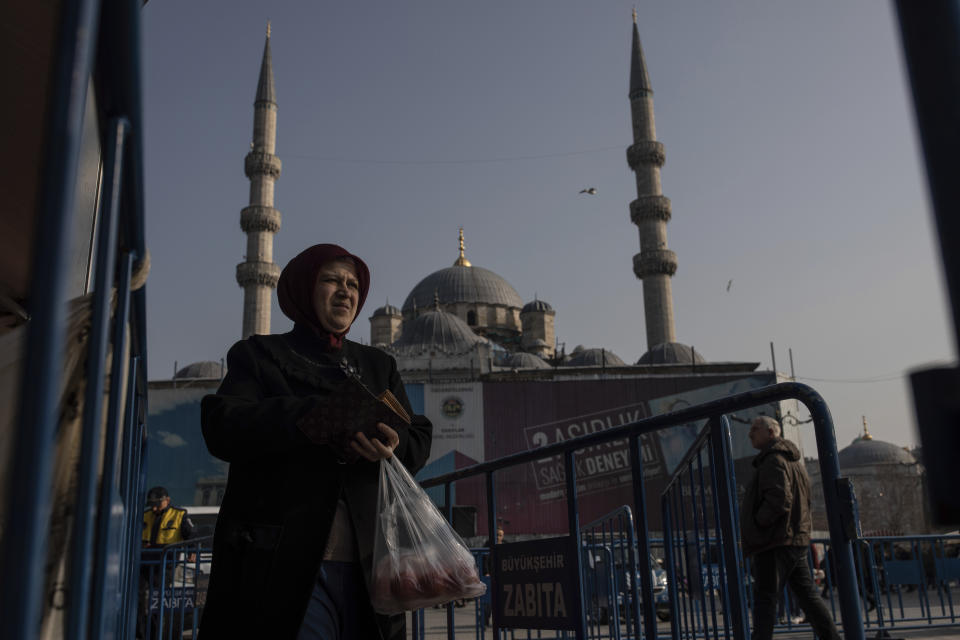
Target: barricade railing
{"type": "Point", "coordinates": [701, 534]}
{"type": "Point", "coordinates": [613, 590]}
{"type": "Point", "coordinates": [904, 582]}
{"type": "Point", "coordinates": [172, 589]}
{"type": "Point", "coordinates": [716, 514]}
{"type": "Point", "coordinates": [97, 44]}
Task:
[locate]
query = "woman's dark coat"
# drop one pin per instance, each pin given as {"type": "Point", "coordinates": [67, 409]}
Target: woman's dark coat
{"type": "Point", "coordinates": [282, 490]}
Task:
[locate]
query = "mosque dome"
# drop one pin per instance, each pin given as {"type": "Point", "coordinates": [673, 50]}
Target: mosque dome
{"type": "Point", "coordinates": [536, 305]}
{"type": "Point", "coordinates": [436, 330]}
{"type": "Point", "coordinates": [386, 310]}
{"type": "Point", "coordinates": [522, 360]}
{"type": "Point", "coordinates": [865, 451]}
{"type": "Point", "coordinates": [671, 353]}
{"type": "Point", "coordinates": [463, 284]}
{"type": "Point", "coordinates": [206, 370]}
{"type": "Point", "coordinates": [593, 358]}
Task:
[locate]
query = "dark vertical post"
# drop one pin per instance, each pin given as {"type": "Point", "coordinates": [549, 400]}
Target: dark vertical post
{"type": "Point", "coordinates": [108, 554]}
{"type": "Point", "coordinates": [668, 559]}
{"type": "Point", "coordinates": [631, 562]}
{"type": "Point", "coordinates": [448, 508]}
{"type": "Point", "coordinates": [643, 540]}
{"type": "Point", "coordinates": [840, 541]}
{"type": "Point", "coordinates": [727, 499]}
{"type": "Point", "coordinates": [931, 45]}
{"type": "Point", "coordinates": [86, 512]}
{"type": "Point", "coordinates": [573, 522]}
{"type": "Point", "coordinates": [930, 32]}
{"type": "Point", "coordinates": [709, 548]}
{"type": "Point", "coordinates": [37, 409]}
{"type": "Point", "coordinates": [134, 524]}
{"type": "Point", "coordinates": [492, 537]}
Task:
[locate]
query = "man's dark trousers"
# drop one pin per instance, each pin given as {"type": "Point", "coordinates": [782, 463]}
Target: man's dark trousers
{"type": "Point", "coordinates": [774, 568]}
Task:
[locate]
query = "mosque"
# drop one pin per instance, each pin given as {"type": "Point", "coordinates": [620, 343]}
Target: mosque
{"type": "Point", "coordinates": [889, 482]}
{"type": "Point", "coordinates": [484, 365]}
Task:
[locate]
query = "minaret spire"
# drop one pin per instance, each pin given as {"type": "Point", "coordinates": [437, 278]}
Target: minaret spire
{"type": "Point", "coordinates": [258, 275]}
{"type": "Point", "coordinates": [655, 264]}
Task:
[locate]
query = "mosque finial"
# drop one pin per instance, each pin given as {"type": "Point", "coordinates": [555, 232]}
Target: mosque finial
{"type": "Point", "coordinates": [462, 260]}
{"type": "Point", "coordinates": [634, 15]}
{"type": "Point", "coordinates": [268, 22]}
{"type": "Point", "coordinates": [436, 299]}
{"type": "Point", "coordinates": [866, 432]}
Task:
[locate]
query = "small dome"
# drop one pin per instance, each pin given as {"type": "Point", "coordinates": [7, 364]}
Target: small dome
{"type": "Point", "coordinates": [671, 353]}
{"type": "Point", "coordinates": [594, 358]}
{"type": "Point", "coordinates": [521, 360]}
{"type": "Point", "coordinates": [206, 370]}
{"type": "Point", "coordinates": [867, 452]}
{"type": "Point", "coordinates": [463, 284]}
{"type": "Point", "coordinates": [536, 305]}
{"type": "Point", "coordinates": [386, 310]}
{"type": "Point", "coordinates": [436, 330]}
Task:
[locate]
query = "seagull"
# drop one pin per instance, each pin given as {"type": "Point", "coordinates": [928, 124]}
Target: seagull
{"type": "Point", "coordinates": [729, 282]}
{"type": "Point", "coordinates": [591, 191]}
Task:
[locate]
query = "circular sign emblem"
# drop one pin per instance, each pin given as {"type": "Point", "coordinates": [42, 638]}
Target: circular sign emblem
{"type": "Point", "coordinates": [452, 407]}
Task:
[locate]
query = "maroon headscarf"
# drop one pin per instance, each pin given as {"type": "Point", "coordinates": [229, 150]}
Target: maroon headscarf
{"type": "Point", "coordinates": [299, 278]}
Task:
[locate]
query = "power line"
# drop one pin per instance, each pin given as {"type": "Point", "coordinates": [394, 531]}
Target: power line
{"type": "Point", "coordinates": [882, 378]}
{"type": "Point", "coordinates": [544, 156]}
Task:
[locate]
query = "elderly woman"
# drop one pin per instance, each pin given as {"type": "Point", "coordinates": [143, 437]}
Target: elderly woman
{"type": "Point", "coordinates": [294, 540]}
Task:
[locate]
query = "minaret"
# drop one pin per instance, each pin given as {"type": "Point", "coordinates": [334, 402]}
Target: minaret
{"type": "Point", "coordinates": [655, 264]}
{"type": "Point", "coordinates": [259, 275]}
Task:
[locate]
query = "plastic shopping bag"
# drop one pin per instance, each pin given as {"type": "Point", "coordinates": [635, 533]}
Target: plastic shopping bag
{"type": "Point", "coordinates": [418, 559]}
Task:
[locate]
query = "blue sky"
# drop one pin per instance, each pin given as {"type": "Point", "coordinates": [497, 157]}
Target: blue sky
{"type": "Point", "coordinates": [792, 165]}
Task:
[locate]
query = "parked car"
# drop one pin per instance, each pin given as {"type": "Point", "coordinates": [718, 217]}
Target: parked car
{"type": "Point", "coordinates": [661, 595]}
{"type": "Point", "coordinates": [597, 586]}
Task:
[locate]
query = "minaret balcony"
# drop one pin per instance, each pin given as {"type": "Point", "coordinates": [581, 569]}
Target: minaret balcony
{"type": "Point", "coordinates": [655, 262]}
{"type": "Point", "coordinates": [647, 208]}
{"type": "Point", "coordinates": [260, 163]}
{"type": "Point", "coordinates": [645, 153]}
{"type": "Point", "coordinates": [258, 273]}
{"type": "Point", "coordinates": [259, 218]}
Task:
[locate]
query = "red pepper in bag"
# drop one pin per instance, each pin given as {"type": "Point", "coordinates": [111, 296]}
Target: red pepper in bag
{"type": "Point", "coordinates": [418, 559]}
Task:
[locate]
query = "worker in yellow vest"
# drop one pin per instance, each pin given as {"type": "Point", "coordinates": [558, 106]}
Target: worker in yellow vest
{"type": "Point", "coordinates": [164, 524]}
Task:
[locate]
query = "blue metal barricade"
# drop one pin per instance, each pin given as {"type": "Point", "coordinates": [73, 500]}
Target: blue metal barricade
{"type": "Point", "coordinates": [97, 45]}
{"type": "Point", "coordinates": [614, 595]}
{"type": "Point", "coordinates": [904, 582]}
{"type": "Point", "coordinates": [701, 533]}
{"type": "Point", "coordinates": [172, 589]}
{"type": "Point", "coordinates": [705, 570]}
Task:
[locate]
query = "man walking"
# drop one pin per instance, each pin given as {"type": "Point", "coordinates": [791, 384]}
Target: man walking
{"type": "Point", "coordinates": [776, 523]}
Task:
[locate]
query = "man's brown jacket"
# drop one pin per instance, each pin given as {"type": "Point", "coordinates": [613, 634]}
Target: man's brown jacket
{"type": "Point", "coordinates": [776, 507]}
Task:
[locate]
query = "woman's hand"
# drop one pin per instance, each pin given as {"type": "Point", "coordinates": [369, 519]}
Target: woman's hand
{"type": "Point", "coordinates": [374, 449]}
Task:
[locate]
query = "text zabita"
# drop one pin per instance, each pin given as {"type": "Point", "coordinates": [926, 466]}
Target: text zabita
{"type": "Point", "coordinates": [534, 600]}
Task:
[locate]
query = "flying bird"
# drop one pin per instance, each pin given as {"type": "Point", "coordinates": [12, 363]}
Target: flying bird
{"type": "Point", "coordinates": [729, 282]}
{"type": "Point", "coordinates": [590, 191]}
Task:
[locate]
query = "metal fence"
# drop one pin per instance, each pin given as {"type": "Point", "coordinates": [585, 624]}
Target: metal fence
{"type": "Point", "coordinates": [173, 589]}
{"type": "Point", "coordinates": [97, 46]}
{"type": "Point", "coordinates": [697, 526]}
